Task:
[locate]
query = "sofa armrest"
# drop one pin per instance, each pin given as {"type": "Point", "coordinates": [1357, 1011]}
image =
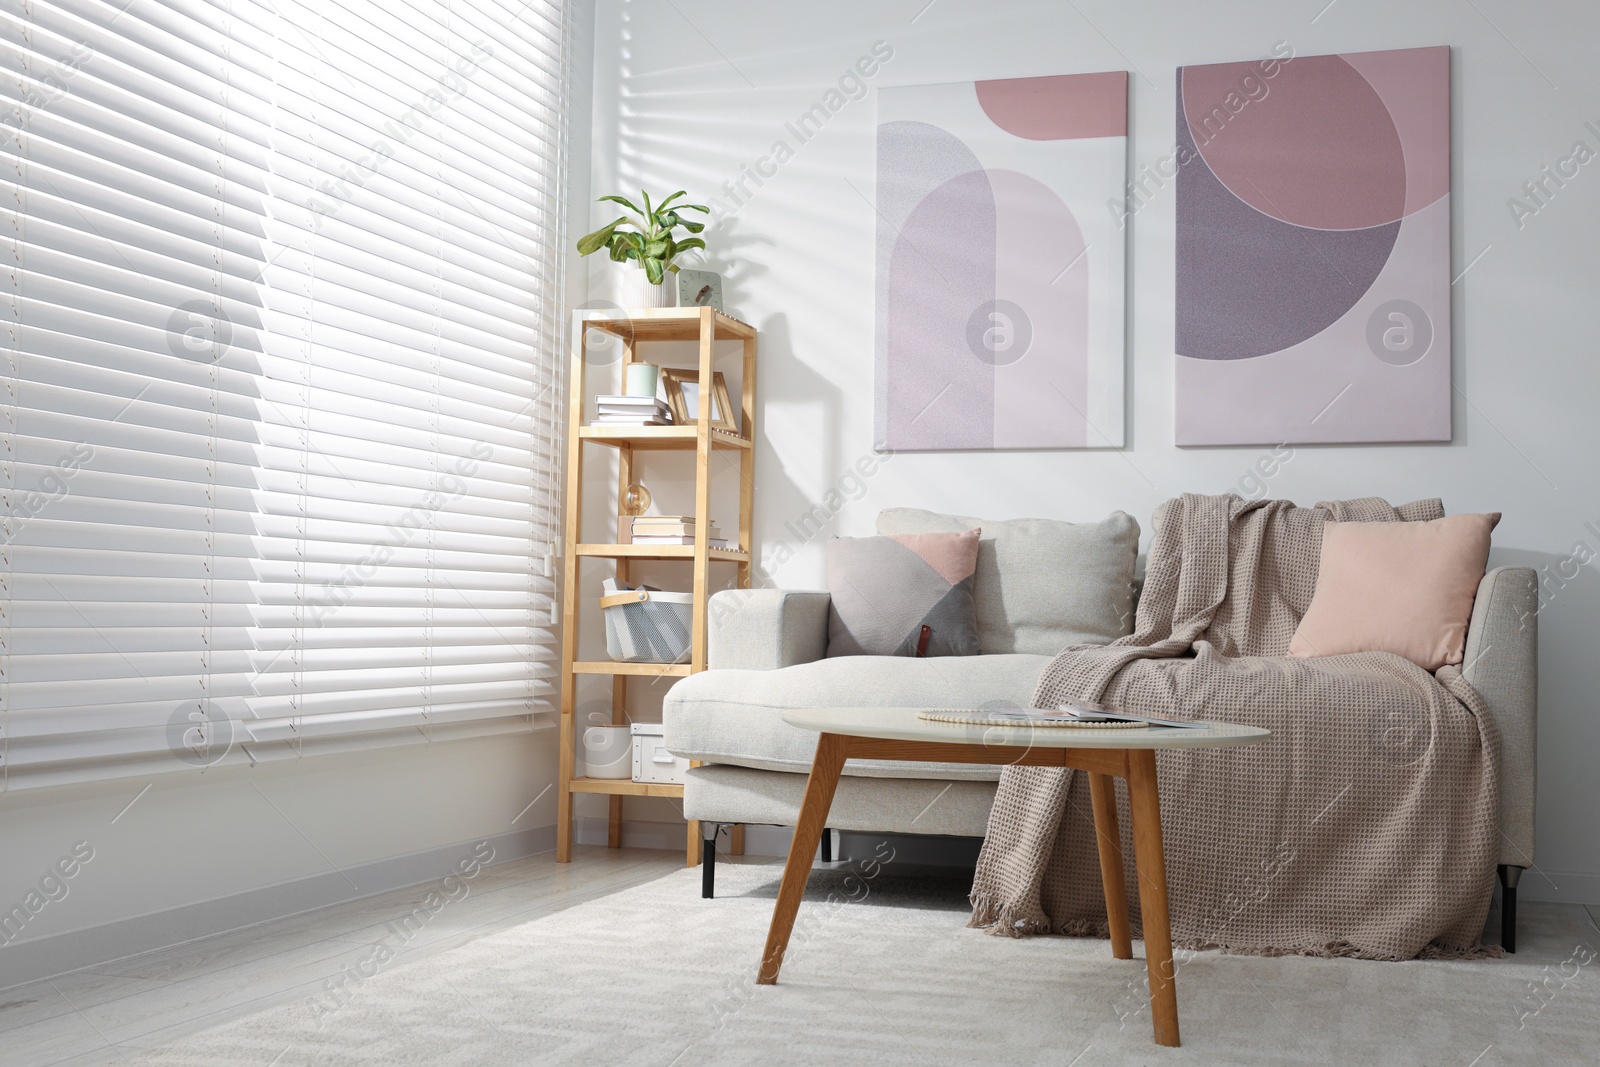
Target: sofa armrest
{"type": "Point", "coordinates": [1501, 662]}
{"type": "Point", "coordinates": [765, 629]}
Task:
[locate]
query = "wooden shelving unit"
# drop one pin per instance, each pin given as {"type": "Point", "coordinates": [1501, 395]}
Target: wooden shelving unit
{"type": "Point", "coordinates": [632, 327]}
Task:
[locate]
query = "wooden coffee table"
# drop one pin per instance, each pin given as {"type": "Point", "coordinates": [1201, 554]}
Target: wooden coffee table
{"type": "Point", "coordinates": [898, 734]}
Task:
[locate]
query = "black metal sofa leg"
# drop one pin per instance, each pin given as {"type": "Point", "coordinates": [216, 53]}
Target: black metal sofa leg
{"type": "Point", "coordinates": [708, 859]}
{"type": "Point", "coordinates": [1509, 876]}
{"type": "Point", "coordinates": [827, 845]}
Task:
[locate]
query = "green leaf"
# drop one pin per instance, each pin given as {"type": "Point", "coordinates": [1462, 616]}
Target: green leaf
{"type": "Point", "coordinates": [649, 212]}
{"type": "Point", "coordinates": [624, 201]}
{"type": "Point", "coordinates": [593, 242]}
{"type": "Point", "coordinates": [692, 227]}
{"type": "Point", "coordinates": [654, 271]}
{"type": "Point", "coordinates": [695, 207]}
{"type": "Point", "coordinates": [670, 199]}
{"type": "Point", "coordinates": [688, 243]}
{"type": "Point", "coordinates": [660, 248]}
{"type": "Point", "coordinates": [624, 246]}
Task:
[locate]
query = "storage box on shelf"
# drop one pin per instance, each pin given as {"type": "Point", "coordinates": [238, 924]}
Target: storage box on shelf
{"type": "Point", "coordinates": [647, 625]}
{"type": "Point", "coordinates": [651, 760]}
{"type": "Point", "coordinates": [607, 752]}
{"type": "Point", "coordinates": [631, 327]}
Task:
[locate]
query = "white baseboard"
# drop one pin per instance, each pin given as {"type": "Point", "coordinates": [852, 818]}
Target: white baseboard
{"type": "Point", "coordinates": [774, 841]}
{"type": "Point", "coordinates": [45, 957]}
{"type": "Point", "coordinates": [767, 840]}
{"type": "Point", "coordinates": [635, 834]}
{"type": "Point", "coordinates": [758, 840]}
{"type": "Point", "coordinates": [1563, 887]}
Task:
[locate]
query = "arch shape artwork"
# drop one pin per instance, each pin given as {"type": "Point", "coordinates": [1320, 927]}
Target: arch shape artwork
{"type": "Point", "coordinates": [1000, 264]}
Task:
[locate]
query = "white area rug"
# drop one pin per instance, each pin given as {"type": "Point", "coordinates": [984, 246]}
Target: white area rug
{"type": "Point", "coordinates": [886, 973]}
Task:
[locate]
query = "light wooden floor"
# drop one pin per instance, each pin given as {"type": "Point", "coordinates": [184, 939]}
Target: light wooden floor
{"type": "Point", "coordinates": [148, 1000]}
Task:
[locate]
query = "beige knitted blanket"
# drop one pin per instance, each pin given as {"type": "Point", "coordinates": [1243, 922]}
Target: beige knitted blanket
{"type": "Point", "coordinates": [1366, 826]}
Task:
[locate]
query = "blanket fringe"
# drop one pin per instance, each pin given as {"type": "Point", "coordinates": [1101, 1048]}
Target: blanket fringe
{"type": "Point", "coordinates": [1004, 920]}
{"type": "Point", "coordinates": [1345, 950]}
{"type": "Point", "coordinates": [1436, 951]}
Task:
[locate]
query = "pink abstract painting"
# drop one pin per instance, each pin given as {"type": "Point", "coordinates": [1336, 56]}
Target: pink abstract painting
{"type": "Point", "coordinates": [1313, 249]}
{"type": "Point", "coordinates": [1000, 264]}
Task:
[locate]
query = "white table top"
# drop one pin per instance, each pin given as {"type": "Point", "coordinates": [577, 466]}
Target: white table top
{"type": "Point", "coordinates": [903, 724]}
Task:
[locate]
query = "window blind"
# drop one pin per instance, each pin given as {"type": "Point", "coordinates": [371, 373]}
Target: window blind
{"type": "Point", "coordinates": [282, 348]}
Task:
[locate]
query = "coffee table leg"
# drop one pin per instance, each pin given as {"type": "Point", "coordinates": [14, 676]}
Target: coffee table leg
{"type": "Point", "coordinates": [824, 779]}
{"type": "Point", "coordinates": [1108, 836]}
{"type": "Point", "coordinates": [1146, 811]}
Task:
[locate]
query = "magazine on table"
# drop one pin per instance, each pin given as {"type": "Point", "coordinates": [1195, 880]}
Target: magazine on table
{"type": "Point", "coordinates": [1084, 711]}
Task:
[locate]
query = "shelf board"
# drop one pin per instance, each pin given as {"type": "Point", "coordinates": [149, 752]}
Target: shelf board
{"type": "Point", "coordinates": [608, 666]}
{"type": "Point", "coordinates": [661, 324]}
{"type": "Point", "coordinates": [625, 787]}
{"type": "Point", "coordinates": [732, 555]}
{"type": "Point", "coordinates": [662, 438]}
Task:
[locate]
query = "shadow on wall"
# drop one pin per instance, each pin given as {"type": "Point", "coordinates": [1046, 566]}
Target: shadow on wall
{"type": "Point", "coordinates": [789, 519]}
{"type": "Point", "coordinates": [735, 257]}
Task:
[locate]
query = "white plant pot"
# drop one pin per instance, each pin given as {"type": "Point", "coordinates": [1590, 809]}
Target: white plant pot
{"type": "Point", "coordinates": [637, 292]}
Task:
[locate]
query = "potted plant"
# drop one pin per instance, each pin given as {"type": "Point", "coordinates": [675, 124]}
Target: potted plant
{"type": "Point", "coordinates": [643, 243]}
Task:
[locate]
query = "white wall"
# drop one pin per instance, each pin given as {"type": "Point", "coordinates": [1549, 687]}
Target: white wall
{"type": "Point", "coordinates": [686, 93]}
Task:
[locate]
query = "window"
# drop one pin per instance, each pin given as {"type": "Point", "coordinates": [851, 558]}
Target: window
{"type": "Point", "coordinates": [282, 331]}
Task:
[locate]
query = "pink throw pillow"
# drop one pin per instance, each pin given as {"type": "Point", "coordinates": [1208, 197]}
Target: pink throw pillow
{"type": "Point", "coordinates": [1401, 587]}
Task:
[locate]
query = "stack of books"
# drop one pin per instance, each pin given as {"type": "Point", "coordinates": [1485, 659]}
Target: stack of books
{"type": "Point", "coordinates": [631, 411]}
{"type": "Point", "coordinates": [671, 530]}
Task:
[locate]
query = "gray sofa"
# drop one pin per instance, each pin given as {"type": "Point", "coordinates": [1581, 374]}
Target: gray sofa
{"type": "Point", "coordinates": [767, 653]}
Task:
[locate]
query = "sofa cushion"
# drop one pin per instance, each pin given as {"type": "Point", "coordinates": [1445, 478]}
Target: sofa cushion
{"type": "Point", "coordinates": [1401, 587]}
{"type": "Point", "coordinates": [737, 716]}
{"type": "Point", "coordinates": [909, 595]}
{"type": "Point", "coordinates": [1042, 584]}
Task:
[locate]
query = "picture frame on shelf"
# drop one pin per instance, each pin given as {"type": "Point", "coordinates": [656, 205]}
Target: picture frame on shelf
{"type": "Point", "coordinates": [683, 397]}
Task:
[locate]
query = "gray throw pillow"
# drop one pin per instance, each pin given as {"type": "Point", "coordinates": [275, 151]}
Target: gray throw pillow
{"type": "Point", "coordinates": [908, 595]}
{"type": "Point", "coordinates": [1042, 584]}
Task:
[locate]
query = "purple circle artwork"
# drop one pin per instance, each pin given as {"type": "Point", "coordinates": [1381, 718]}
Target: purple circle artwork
{"type": "Point", "coordinates": [1310, 192]}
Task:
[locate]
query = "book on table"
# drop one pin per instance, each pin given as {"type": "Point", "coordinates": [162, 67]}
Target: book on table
{"type": "Point", "coordinates": [1086, 712]}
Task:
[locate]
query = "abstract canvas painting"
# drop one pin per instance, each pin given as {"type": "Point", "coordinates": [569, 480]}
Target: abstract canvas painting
{"type": "Point", "coordinates": [1000, 264]}
{"type": "Point", "coordinates": [1313, 250]}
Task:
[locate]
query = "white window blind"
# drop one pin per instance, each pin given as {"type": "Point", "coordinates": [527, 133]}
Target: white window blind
{"type": "Point", "coordinates": [282, 345]}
